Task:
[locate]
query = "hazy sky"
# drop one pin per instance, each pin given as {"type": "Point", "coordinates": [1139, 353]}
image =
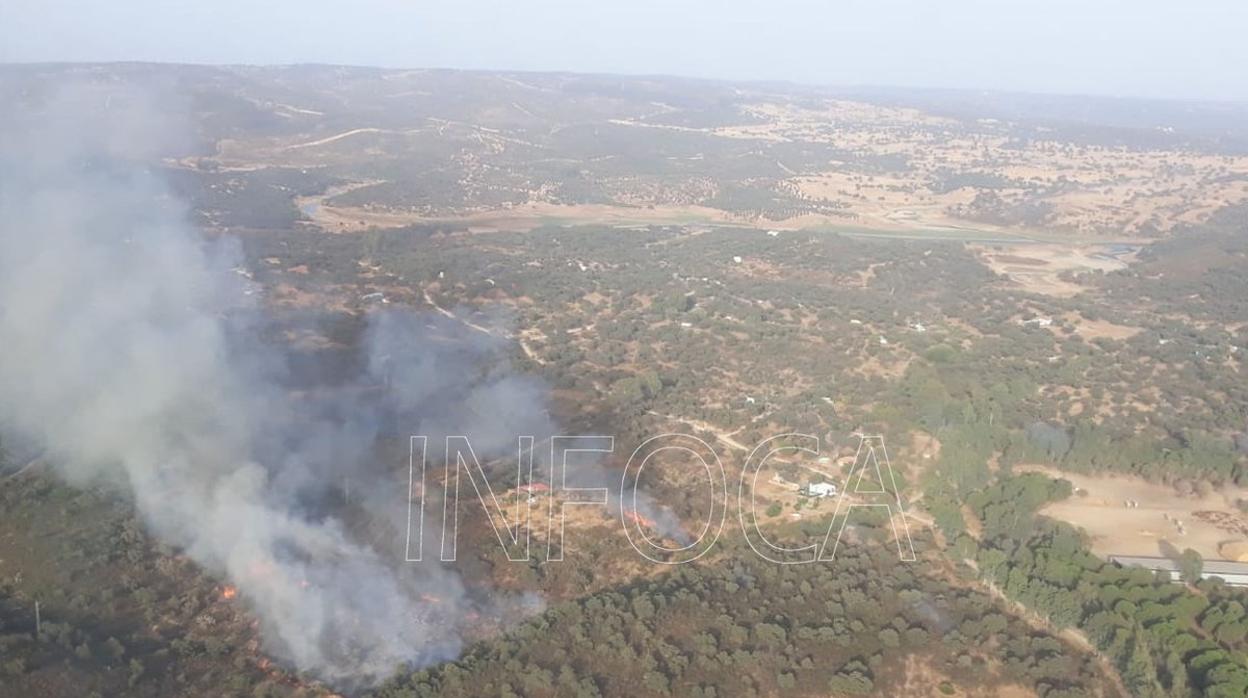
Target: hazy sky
{"type": "Point", "coordinates": [1165, 48]}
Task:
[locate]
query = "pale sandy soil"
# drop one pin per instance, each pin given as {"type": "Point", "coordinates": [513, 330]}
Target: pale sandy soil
{"type": "Point", "coordinates": [923, 680]}
{"type": "Point", "coordinates": [1116, 529]}
{"type": "Point", "coordinates": [518, 218]}
{"type": "Point", "coordinates": [1102, 329]}
{"type": "Point", "coordinates": [1037, 267]}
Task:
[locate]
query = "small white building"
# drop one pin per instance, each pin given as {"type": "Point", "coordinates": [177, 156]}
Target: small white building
{"type": "Point", "coordinates": [820, 490]}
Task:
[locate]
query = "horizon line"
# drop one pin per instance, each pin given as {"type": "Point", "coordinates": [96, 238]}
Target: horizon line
{"type": "Point", "coordinates": [773, 82]}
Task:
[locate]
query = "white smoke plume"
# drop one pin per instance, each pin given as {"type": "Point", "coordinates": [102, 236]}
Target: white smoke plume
{"type": "Point", "coordinates": [129, 353]}
{"type": "Point", "coordinates": [124, 352]}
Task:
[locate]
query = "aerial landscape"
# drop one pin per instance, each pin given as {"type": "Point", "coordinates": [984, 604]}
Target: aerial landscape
{"type": "Point", "coordinates": [327, 380]}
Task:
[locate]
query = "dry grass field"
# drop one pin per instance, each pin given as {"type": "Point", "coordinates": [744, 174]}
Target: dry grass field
{"type": "Point", "coordinates": [1209, 523]}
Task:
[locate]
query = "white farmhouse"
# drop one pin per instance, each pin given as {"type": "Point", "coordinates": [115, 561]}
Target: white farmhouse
{"type": "Point", "coordinates": [820, 490]}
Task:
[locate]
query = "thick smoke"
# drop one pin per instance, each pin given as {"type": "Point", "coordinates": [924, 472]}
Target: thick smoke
{"type": "Point", "coordinates": [492, 408]}
{"type": "Point", "coordinates": [129, 353]}
{"type": "Point", "coordinates": [126, 351]}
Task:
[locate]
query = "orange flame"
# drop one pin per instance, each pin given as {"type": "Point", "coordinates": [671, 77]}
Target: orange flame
{"type": "Point", "coordinates": [228, 592]}
{"type": "Point", "coordinates": [639, 519]}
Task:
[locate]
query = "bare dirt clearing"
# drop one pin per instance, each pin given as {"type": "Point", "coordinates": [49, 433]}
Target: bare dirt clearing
{"type": "Point", "coordinates": [353, 219]}
{"type": "Point", "coordinates": [922, 679]}
{"type": "Point", "coordinates": [1047, 269]}
{"type": "Point", "coordinates": [1147, 528]}
{"type": "Point", "coordinates": [1100, 329]}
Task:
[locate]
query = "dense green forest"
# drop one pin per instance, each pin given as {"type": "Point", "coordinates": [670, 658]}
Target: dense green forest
{"type": "Point", "coordinates": [119, 614]}
{"type": "Point", "coordinates": [745, 627]}
{"type": "Point", "coordinates": [1166, 639]}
